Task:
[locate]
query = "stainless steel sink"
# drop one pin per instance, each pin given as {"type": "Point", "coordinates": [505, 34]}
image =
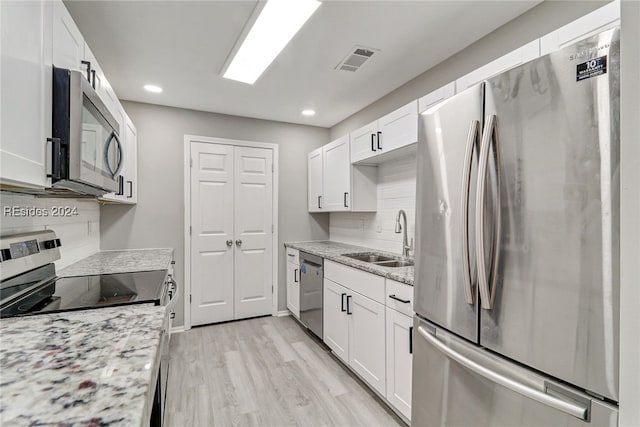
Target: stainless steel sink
{"type": "Point", "coordinates": [395, 263]}
{"type": "Point", "coordinates": [372, 258]}
{"type": "Point", "coordinates": [381, 260]}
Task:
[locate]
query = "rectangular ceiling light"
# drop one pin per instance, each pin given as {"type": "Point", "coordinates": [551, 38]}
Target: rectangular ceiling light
{"type": "Point", "coordinates": [276, 25]}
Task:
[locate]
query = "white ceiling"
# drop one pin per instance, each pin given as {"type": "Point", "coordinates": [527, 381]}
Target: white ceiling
{"type": "Point", "coordinates": [183, 45]}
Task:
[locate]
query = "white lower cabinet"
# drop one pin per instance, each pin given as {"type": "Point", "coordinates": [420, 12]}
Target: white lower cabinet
{"type": "Point", "coordinates": [399, 360]}
{"type": "Point", "coordinates": [367, 322]}
{"type": "Point", "coordinates": [335, 320]}
{"type": "Point", "coordinates": [366, 340]}
{"type": "Point", "coordinates": [293, 289]}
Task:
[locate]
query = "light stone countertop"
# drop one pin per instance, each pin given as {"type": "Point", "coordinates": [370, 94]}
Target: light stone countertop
{"type": "Point", "coordinates": [80, 368]}
{"type": "Point", "coordinates": [121, 261]}
{"type": "Point", "coordinates": [335, 251]}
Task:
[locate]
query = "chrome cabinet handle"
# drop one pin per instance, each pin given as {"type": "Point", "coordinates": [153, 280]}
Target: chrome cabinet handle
{"type": "Point", "coordinates": [229, 243]}
{"type": "Point", "coordinates": [487, 289]}
{"type": "Point", "coordinates": [115, 172]}
{"type": "Point", "coordinates": [473, 141]}
{"type": "Point", "coordinates": [238, 242]}
{"type": "Point", "coordinates": [575, 409]}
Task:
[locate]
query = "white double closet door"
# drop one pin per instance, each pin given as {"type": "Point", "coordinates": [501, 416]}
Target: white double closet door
{"type": "Point", "coordinates": [232, 232]}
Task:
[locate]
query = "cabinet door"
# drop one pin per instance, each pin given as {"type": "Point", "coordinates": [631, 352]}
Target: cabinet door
{"type": "Point", "coordinates": [334, 319]}
{"type": "Point", "coordinates": [68, 43]}
{"type": "Point", "coordinates": [436, 97]}
{"type": "Point", "coordinates": [398, 128]}
{"type": "Point", "coordinates": [399, 361]}
{"type": "Point", "coordinates": [130, 162]}
{"type": "Point", "coordinates": [512, 59]}
{"type": "Point", "coordinates": [25, 104]}
{"type": "Point", "coordinates": [314, 180]}
{"type": "Point", "coordinates": [336, 175]}
{"type": "Point", "coordinates": [367, 340]}
{"type": "Point", "coordinates": [364, 142]}
{"type": "Point", "coordinates": [293, 289]}
{"type": "Point", "coordinates": [591, 24]}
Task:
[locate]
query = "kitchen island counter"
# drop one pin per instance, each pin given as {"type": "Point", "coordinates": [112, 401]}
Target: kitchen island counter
{"type": "Point", "coordinates": [336, 251]}
{"type": "Point", "coordinates": [81, 368]}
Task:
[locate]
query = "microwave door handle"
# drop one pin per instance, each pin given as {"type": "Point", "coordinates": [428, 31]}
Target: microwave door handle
{"type": "Point", "coordinates": [113, 137]}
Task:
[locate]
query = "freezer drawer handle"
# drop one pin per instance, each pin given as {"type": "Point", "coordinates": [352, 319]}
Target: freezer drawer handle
{"type": "Point", "coordinates": [577, 410]}
{"type": "Point", "coordinates": [404, 301]}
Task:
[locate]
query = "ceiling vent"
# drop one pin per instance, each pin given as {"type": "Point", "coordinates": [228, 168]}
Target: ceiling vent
{"type": "Point", "coordinates": [356, 58]}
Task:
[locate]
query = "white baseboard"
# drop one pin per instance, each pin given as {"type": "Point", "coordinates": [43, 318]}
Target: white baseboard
{"type": "Point", "coordinates": [177, 329]}
{"type": "Point", "coordinates": [283, 313]}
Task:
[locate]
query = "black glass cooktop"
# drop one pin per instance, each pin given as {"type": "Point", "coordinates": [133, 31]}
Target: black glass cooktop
{"type": "Point", "coordinates": [35, 294]}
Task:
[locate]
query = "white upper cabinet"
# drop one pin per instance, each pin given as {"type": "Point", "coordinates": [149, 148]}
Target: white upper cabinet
{"type": "Point", "coordinates": [314, 180]}
{"type": "Point", "coordinates": [336, 175]}
{"type": "Point", "coordinates": [131, 162]}
{"type": "Point", "coordinates": [436, 97]}
{"type": "Point", "coordinates": [68, 43]}
{"type": "Point", "coordinates": [25, 104]}
{"type": "Point", "coordinates": [334, 184]}
{"type": "Point", "coordinates": [364, 142]}
{"type": "Point", "coordinates": [512, 59]}
{"type": "Point", "coordinates": [397, 129]}
{"type": "Point", "coordinates": [599, 20]}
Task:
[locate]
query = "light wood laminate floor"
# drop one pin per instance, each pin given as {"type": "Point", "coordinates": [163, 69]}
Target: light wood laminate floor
{"type": "Point", "coordinates": [262, 372]}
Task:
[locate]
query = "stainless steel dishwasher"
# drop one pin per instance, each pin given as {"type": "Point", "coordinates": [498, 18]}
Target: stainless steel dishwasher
{"type": "Point", "coordinates": [311, 278]}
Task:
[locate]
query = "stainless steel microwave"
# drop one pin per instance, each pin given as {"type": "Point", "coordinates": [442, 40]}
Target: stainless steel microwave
{"type": "Point", "coordinates": [87, 154]}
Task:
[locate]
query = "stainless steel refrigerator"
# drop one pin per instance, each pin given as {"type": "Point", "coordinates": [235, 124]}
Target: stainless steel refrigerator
{"type": "Point", "coordinates": [516, 285]}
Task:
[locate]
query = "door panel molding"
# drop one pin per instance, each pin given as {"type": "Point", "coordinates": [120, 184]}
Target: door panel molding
{"type": "Point", "coordinates": [187, 160]}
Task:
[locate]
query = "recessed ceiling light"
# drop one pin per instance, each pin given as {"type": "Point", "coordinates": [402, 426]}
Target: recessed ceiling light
{"type": "Point", "coordinates": [153, 88]}
{"type": "Point", "coordinates": [276, 25]}
{"type": "Point", "coordinates": [308, 113]}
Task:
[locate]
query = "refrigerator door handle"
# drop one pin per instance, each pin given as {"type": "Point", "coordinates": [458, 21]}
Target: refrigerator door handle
{"type": "Point", "coordinates": [473, 140]}
{"type": "Point", "coordinates": [487, 289]}
{"type": "Point", "coordinates": [575, 409]}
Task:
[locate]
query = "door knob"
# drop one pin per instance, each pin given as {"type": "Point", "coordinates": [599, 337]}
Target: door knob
{"type": "Point", "coordinates": [238, 242]}
{"type": "Point", "coordinates": [229, 243]}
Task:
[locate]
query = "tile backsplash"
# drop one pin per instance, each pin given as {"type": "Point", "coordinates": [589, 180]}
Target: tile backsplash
{"type": "Point", "coordinates": [76, 222]}
{"type": "Point", "coordinates": [396, 190]}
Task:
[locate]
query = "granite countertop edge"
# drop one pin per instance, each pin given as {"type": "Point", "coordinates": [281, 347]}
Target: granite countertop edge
{"type": "Point", "coordinates": [335, 251]}
{"type": "Point", "coordinates": [120, 261]}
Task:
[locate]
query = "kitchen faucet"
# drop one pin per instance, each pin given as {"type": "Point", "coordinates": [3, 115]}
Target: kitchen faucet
{"type": "Point", "coordinates": [406, 247]}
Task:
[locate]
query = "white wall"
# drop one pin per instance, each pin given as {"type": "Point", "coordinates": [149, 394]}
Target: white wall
{"type": "Point", "coordinates": [79, 234]}
{"type": "Point", "coordinates": [158, 218]}
{"type": "Point", "coordinates": [396, 190]}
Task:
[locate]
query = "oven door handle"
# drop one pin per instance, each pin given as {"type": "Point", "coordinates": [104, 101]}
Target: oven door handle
{"type": "Point", "coordinates": [173, 293]}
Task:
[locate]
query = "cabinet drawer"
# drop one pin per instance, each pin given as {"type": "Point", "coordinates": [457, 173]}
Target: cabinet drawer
{"type": "Point", "coordinates": [367, 284]}
{"type": "Point", "coordinates": [293, 256]}
{"type": "Point", "coordinates": [401, 291]}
